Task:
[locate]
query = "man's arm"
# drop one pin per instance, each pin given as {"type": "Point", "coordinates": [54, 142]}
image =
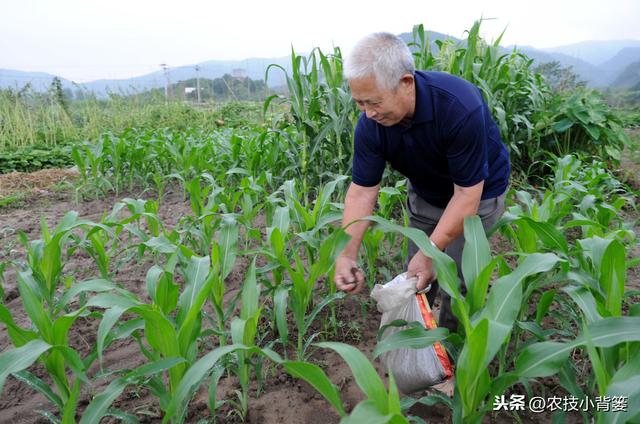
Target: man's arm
{"type": "Point", "coordinates": [358, 203]}
{"type": "Point", "coordinates": [464, 202]}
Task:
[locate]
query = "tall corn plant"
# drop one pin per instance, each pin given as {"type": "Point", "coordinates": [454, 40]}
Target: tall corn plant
{"type": "Point", "coordinates": [513, 91]}
{"type": "Point", "coordinates": [322, 112]}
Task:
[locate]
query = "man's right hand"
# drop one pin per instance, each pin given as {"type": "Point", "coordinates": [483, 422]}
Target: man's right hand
{"type": "Point", "coordinates": [348, 277]}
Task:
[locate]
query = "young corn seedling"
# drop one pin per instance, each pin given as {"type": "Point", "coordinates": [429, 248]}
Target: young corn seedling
{"type": "Point", "coordinates": [274, 249]}
{"type": "Point", "coordinates": [90, 162]}
{"type": "Point", "coordinates": [243, 332]}
{"type": "Point", "coordinates": [250, 206]}
{"type": "Point", "coordinates": [380, 406]}
{"type": "Point", "coordinates": [47, 339]}
{"type": "Point", "coordinates": [45, 260]}
{"type": "Point", "coordinates": [303, 280]}
{"type": "Point", "coordinates": [306, 223]}
{"type": "Point", "coordinates": [223, 258]}
{"type": "Point", "coordinates": [101, 242]}
{"type": "Point", "coordinates": [172, 323]}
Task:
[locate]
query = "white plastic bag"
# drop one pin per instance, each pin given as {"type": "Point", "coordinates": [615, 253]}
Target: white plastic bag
{"type": "Point", "coordinates": [413, 369]}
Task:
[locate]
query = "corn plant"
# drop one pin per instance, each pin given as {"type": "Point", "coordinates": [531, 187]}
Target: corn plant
{"type": "Point", "coordinates": [45, 261]}
{"type": "Point", "coordinates": [243, 332]}
{"type": "Point", "coordinates": [88, 158]}
{"type": "Point", "coordinates": [486, 316]}
{"type": "Point", "coordinates": [513, 91]}
{"type": "Point", "coordinates": [381, 405]}
{"type": "Point", "coordinates": [172, 322]}
{"type": "Point", "coordinates": [323, 115]}
{"type": "Point", "coordinates": [101, 242]}
{"type": "Point", "coordinates": [303, 281]}
{"type": "Point", "coordinates": [223, 257]}
{"type": "Point", "coordinates": [546, 358]}
{"type": "Point", "coordinates": [15, 362]}
{"type": "Point", "coordinates": [47, 341]}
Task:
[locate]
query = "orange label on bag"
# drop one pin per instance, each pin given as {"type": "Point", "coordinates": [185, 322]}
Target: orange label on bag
{"type": "Point", "coordinates": [430, 323]}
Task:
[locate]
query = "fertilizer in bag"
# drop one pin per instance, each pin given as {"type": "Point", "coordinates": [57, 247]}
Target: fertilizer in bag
{"type": "Point", "coordinates": [413, 369]}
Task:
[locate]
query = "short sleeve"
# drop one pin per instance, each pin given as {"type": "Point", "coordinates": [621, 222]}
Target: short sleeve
{"type": "Point", "coordinates": [467, 149]}
{"type": "Point", "coordinates": [368, 162]}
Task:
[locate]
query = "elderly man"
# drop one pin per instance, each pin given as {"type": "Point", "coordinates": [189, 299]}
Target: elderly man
{"type": "Point", "coordinates": [435, 129]}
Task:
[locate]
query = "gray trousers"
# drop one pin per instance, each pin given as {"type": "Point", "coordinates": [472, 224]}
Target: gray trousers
{"type": "Point", "coordinates": [424, 216]}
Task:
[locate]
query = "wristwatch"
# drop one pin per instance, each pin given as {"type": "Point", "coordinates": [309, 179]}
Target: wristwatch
{"type": "Point", "coordinates": [435, 245]}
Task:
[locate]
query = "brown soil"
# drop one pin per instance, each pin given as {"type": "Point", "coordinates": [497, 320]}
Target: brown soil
{"type": "Point", "coordinates": [282, 399]}
{"type": "Point", "coordinates": [34, 182]}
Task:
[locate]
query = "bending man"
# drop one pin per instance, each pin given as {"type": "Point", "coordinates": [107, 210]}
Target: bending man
{"type": "Point", "coordinates": [437, 130]}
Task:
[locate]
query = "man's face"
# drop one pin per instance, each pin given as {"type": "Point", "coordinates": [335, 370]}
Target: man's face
{"type": "Point", "coordinates": [386, 107]}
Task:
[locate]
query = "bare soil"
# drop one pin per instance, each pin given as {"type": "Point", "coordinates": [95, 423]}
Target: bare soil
{"type": "Point", "coordinates": [25, 183]}
{"type": "Point", "coordinates": [281, 400]}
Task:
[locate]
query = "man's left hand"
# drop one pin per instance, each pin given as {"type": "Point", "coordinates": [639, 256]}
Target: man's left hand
{"type": "Point", "coordinates": [421, 267]}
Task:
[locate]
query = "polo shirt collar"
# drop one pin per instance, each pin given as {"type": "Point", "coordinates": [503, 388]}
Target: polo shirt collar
{"type": "Point", "coordinates": [424, 107]}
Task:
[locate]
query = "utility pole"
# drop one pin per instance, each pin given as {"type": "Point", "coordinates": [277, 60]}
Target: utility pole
{"type": "Point", "coordinates": [198, 82]}
{"type": "Point", "coordinates": [165, 68]}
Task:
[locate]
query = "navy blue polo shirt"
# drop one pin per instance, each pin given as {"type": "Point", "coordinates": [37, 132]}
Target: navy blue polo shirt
{"type": "Point", "coordinates": [451, 138]}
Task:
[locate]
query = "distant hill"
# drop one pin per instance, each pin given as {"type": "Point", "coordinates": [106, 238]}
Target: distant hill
{"type": "Point", "coordinates": [596, 76]}
{"type": "Point", "coordinates": [600, 63]}
{"type": "Point", "coordinates": [595, 52]}
{"type": "Point", "coordinates": [629, 78]}
{"type": "Point", "coordinates": [40, 81]}
{"type": "Point", "coordinates": [253, 68]}
{"type": "Point", "coordinates": [618, 63]}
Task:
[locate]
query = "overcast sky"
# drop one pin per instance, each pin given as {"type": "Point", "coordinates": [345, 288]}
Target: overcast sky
{"type": "Point", "coordinates": [83, 40]}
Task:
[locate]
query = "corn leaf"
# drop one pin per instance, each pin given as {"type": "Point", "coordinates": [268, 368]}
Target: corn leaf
{"type": "Point", "coordinates": [613, 276]}
{"type": "Point", "coordinates": [585, 301]}
{"type": "Point", "coordinates": [476, 254]}
{"type": "Point", "coordinates": [101, 402]}
{"type": "Point", "coordinates": [545, 358]}
{"type": "Point", "coordinates": [411, 338]}
{"type": "Point", "coordinates": [96, 285]}
{"type": "Point", "coordinates": [364, 373]}
{"type": "Point", "coordinates": [16, 360]}
{"type": "Point", "coordinates": [228, 247]}
{"type": "Point", "coordinates": [314, 375]}
{"type": "Point", "coordinates": [550, 236]}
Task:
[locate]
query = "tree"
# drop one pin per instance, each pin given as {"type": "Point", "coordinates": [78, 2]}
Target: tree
{"type": "Point", "coordinates": [57, 93]}
{"type": "Point", "coordinates": [559, 78]}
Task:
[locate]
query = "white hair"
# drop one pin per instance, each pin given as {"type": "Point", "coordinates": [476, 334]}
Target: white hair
{"type": "Point", "coordinates": [381, 55]}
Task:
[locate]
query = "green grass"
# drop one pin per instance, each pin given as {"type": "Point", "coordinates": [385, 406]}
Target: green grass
{"type": "Point", "coordinates": [29, 118]}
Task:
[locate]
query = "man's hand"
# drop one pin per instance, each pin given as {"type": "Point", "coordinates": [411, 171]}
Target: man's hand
{"type": "Point", "coordinates": [348, 277]}
{"type": "Point", "coordinates": [421, 267]}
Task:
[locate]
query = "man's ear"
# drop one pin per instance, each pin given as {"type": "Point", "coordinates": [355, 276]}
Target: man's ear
{"type": "Point", "coordinates": [407, 81]}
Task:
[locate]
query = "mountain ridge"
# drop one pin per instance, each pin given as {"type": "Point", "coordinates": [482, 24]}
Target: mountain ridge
{"type": "Point", "coordinates": [620, 55]}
